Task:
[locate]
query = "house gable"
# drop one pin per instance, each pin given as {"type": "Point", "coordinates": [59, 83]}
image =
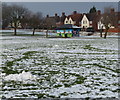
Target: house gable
{"type": "Point", "coordinates": [71, 21]}
{"type": "Point", "coordinates": [85, 22]}
{"type": "Point", "coordinates": [66, 21]}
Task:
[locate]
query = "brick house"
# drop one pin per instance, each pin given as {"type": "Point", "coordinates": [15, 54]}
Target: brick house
{"type": "Point", "coordinates": [83, 20]}
{"type": "Point", "coordinates": [91, 20]}
{"type": "Point", "coordinates": [115, 27]}
{"type": "Point", "coordinates": [74, 19]}
{"type": "Point", "coordinates": [57, 20]}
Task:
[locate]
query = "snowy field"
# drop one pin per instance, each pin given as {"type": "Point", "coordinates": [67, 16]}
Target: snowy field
{"type": "Point", "coordinates": [38, 67]}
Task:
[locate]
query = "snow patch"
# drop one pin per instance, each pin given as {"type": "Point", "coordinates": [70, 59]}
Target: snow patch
{"type": "Point", "coordinates": [20, 77]}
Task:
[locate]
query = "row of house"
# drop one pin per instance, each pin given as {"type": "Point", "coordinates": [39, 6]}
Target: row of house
{"type": "Point", "coordinates": [84, 20]}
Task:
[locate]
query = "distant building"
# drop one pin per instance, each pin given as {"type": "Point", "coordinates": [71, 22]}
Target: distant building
{"type": "Point", "coordinates": [62, 18]}
{"type": "Point", "coordinates": [82, 20]}
{"type": "Point", "coordinates": [115, 27]}
{"type": "Point", "coordinates": [12, 25]}
{"type": "Point", "coordinates": [68, 30]}
{"type": "Point", "coordinates": [57, 20]}
{"type": "Point", "coordinates": [74, 19]}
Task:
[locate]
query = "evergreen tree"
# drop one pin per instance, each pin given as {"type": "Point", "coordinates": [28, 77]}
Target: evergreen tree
{"type": "Point", "coordinates": [93, 10]}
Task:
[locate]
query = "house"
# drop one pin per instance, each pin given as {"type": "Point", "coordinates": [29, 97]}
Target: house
{"type": "Point", "coordinates": [12, 25]}
{"type": "Point", "coordinates": [73, 19]}
{"type": "Point", "coordinates": [56, 20]}
{"type": "Point", "coordinates": [62, 18]}
{"type": "Point", "coordinates": [90, 20]}
{"type": "Point", "coordinates": [83, 20]}
{"type": "Point", "coordinates": [115, 26]}
{"type": "Point", "coordinates": [52, 20]}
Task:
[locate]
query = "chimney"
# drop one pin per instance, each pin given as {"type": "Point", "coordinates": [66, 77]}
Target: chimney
{"type": "Point", "coordinates": [84, 13]}
{"type": "Point", "coordinates": [99, 12]}
{"type": "Point", "coordinates": [112, 10]}
{"type": "Point", "coordinates": [63, 13]}
{"type": "Point", "coordinates": [47, 16]}
{"type": "Point", "coordinates": [55, 14]}
{"type": "Point", "coordinates": [74, 12]}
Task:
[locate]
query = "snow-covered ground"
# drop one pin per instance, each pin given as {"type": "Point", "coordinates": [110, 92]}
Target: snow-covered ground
{"type": "Point", "coordinates": [37, 67]}
{"type": "Point", "coordinates": [26, 31]}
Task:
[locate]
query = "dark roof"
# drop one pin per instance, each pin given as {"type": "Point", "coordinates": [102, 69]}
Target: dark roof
{"type": "Point", "coordinates": [67, 26]}
{"type": "Point", "coordinates": [62, 18]}
{"type": "Point", "coordinates": [91, 16]}
{"type": "Point", "coordinates": [56, 18]}
{"type": "Point", "coordinates": [76, 17]}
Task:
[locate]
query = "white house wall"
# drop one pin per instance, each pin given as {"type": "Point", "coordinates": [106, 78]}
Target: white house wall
{"type": "Point", "coordinates": [101, 24]}
{"type": "Point", "coordinates": [69, 21]}
{"type": "Point", "coordinates": [85, 22]}
{"type": "Point", "coordinates": [66, 21]}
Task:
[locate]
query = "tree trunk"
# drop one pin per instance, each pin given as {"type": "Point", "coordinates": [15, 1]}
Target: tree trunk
{"type": "Point", "coordinates": [15, 31]}
{"type": "Point", "coordinates": [15, 28]}
{"type": "Point", "coordinates": [34, 31]}
{"type": "Point", "coordinates": [105, 33]}
{"type": "Point", "coordinates": [101, 32]}
{"type": "Point", "coordinates": [47, 33]}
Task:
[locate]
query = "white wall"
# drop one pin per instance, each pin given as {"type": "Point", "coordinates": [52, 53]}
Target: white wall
{"type": "Point", "coordinates": [85, 22]}
{"type": "Point", "coordinates": [66, 21]}
{"type": "Point", "coordinates": [69, 21]}
{"type": "Point", "coordinates": [101, 24]}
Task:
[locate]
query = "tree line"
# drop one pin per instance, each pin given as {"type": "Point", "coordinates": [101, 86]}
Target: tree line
{"type": "Point", "coordinates": [108, 19]}
{"type": "Point", "coordinates": [17, 14]}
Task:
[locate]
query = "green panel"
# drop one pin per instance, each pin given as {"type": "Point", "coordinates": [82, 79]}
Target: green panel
{"type": "Point", "coordinates": [62, 34]}
{"type": "Point", "coordinates": [58, 34]}
{"type": "Point", "coordinates": [69, 34]}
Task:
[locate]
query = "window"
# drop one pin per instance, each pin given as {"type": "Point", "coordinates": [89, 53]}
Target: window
{"type": "Point", "coordinates": [83, 22]}
{"type": "Point", "coordinates": [119, 22]}
{"type": "Point", "coordinates": [90, 22]}
{"type": "Point", "coordinates": [70, 21]}
{"type": "Point", "coordinates": [66, 21]}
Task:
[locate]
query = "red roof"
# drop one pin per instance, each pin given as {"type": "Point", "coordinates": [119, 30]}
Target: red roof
{"type": "Point", "coordinates": [76, 17]}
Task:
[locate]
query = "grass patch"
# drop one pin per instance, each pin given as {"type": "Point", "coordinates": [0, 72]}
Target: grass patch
{"type": "Point", "coordinates": [21, 48]}
{"type": "Point", "coordinates": [57, 86]}
{"type": "Point", "coordinates": [53, 72]}
{"type": "Point", "coordinates": [95, 64]}
{"type": "Point", "coordinates": [79, 80]}
{"type": "Point", "coordinates": [41, 95]}
{"type": "Point", "coordinates": [8, 64]}
{"type": "Point", "coordinates": [9, 70]}
{"type": "Point", "coordinates": [29, 53]}
{"type": "Point", "coordinates": [103, 89]}
{"type": "Point", "coordinates": [64, 94]}
{"type": "Point", "coordinates": [89, 47]}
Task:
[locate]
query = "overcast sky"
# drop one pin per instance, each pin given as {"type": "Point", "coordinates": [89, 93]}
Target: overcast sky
{"type": "Point", "coordinates": [68, 7]}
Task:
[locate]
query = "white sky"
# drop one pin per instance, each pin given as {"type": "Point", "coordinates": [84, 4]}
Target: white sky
{"type": "Point", "coordinates": [59, 0]}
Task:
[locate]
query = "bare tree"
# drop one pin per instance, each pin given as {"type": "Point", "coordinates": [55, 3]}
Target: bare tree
{"type": "Point", "coordinates": [108, 19]}
{"type": "Point", "coordinates": [49, 23]}
{"type": "Point", "coordinates": [0, 15]}
{"type": "Point", "coordinates": [16, 14]}
{"type": "Point", "coordinates": [25, 20]}
{"type": "Point", "coordinates": [6, 11]}
{"type": "Point", "coordinates": [35, 21]}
